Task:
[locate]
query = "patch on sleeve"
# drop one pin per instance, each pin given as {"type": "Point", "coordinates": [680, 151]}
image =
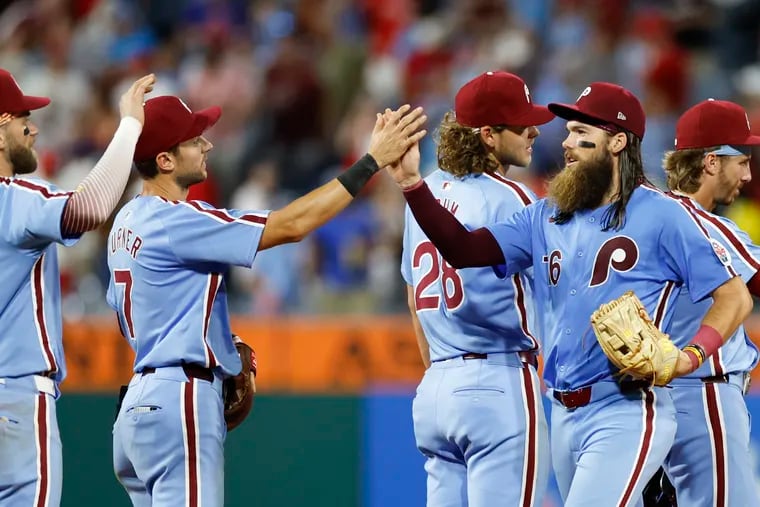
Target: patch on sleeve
{"type": "Point", "coordinates": [720, 252]}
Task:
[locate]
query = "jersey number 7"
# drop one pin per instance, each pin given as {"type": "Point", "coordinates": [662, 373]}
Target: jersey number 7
{"type": "Point", "coordinates": [450, 281]}
{"type": "Point", "coordinates": [124, 277]}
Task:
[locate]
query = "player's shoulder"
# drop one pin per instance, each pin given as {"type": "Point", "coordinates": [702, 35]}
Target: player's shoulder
{"type": "Point", "coordinates": [33, 186]}
{"type": "Point", "coordinates": [657, 201]}
{"type": "Point", "coordinates": [488, 185]}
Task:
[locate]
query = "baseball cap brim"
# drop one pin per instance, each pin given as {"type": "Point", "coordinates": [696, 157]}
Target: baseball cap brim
{"type": "Point", "coordinates": [202, 121]}
{"type": "Point", "coordinates": [571, 112]}
{"type": "Point", "coordinates": [538, 115]}
{"type": "Point", "coordinates": [30, 103]}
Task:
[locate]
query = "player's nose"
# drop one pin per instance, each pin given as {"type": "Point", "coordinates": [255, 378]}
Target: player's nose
{"type": "Point", "coordinates": [207, 145]}
{"type": "Point", "coordinates": [33, 129]}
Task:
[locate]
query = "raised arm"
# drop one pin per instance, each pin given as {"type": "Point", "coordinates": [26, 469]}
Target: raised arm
{"type": "Point", "coordinates": [390, 139]}
{"type": "Point", "coordinates": [95, 198]}
{"type": "Point", "coordinates": [461, 248]}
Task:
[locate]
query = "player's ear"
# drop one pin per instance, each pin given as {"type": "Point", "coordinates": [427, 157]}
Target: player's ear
{"type": "Point", "coordinates": [486, 135]}
{"type": "Point", "coordinates": [165, 162]}
{"type": "Point", "coordinates": [618, 142]}
{"type": "Point", "coordinates": [711, 164]}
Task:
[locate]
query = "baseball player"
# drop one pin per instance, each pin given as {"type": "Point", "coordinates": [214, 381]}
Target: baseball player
{"type": "Point", "coordinates": [478, 416]}
{"type": "Point", "coordinates": [710, 463]}
{"type": "Point", "coordinates": [167, 258]}
{"type": "Point", "coordinates": [34, 217]}
{"type": "Point", "coordinates": [599, 234]}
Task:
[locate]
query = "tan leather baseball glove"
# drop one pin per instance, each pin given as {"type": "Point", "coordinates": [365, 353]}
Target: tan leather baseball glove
{"type": "Point", "coordinates": [239, 390]}
{"type": "Point", "coordinates": [632, 342]}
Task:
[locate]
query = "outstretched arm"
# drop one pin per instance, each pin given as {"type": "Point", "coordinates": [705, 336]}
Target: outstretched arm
{"type": "Point", "coordinates": [390, 139]}
{"type": "Point", "coordinates": [461, 248]}
{"type": "Point", "coordinates": [96, 197]}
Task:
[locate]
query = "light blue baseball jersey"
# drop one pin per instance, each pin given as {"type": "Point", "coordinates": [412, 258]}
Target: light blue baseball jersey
{"type": "Point", "coordinates": [578, 266]}
{"type": "Point", "coordinates": [30, 295]}
{"type": "Point", "coordinates": [738, 353]}
{"type": "Point", "coordinates": [480, 310]}
{"type": "Point", "coordinates": [167, 261]}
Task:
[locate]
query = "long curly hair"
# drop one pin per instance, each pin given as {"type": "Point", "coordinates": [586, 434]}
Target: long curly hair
{"type": "Point", "coordinates": [461, 151]}
{"type": "Point", "coordinates": [631, 176]}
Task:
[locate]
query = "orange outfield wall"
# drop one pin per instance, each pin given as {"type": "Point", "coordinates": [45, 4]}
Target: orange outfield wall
{"type": "Point", "coordinates": [303, 354]}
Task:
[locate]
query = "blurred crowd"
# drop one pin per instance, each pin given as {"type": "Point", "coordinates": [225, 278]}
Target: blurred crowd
{"type": "Point", "coordinates": [299, 82]}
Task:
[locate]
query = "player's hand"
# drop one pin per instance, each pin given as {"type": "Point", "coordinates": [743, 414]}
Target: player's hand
{"type": "Point", "coordinates": [683, 365]}
{"type": "Point", "coordinates": [395, 132]}
{"type": "Point", "coordinates": [131, 102]}
{"type": "Point", "coordinates": [406, 172]}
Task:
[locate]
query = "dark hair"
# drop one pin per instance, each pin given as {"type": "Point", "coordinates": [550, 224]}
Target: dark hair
{"type": "Point", "coordinates": [631, 176]}
{"type": "Point", "coordinates": [148, 169]}
{"type": "Point", "coordinates": [461, 151]}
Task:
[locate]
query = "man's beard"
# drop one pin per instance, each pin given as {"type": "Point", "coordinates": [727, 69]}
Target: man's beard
{"type": "Point", "coordinates": [582, 185]}
{"type": "Point", "coordinates": [22, 159]}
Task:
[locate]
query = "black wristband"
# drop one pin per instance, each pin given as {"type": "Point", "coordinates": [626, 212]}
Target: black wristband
{"type": "Point", "coordinates": [356, 176]}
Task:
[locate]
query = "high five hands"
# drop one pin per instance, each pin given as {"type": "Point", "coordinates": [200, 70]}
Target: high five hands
{"type": "Point", "coordinates": [395, 133]}
{"type": "Point", "coordinates": [405, 171]}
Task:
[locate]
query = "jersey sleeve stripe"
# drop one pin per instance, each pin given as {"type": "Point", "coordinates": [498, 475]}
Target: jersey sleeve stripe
{"type": "Point", "coordinates": [29, 186]}
{"type": "Point", "coordinates": [225, 217]}
{"type": "Point", "coordinates": [516, 189]}
{"type": "Point", "coordinates": [731, 237]}
{"type": "Point", "coordinates": [691, 210]}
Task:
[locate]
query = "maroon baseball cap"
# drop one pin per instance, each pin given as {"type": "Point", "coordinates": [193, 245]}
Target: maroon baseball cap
{"type": "Point", "coordinates": [714, 123]}
{"type": "Point", "coordinates": [605, 104]}
{"type": "Point", "coordinates": [13, 100]}
{"type": "Point", "coordinates": [168, 122]}
{"type": "Point", "coordinates": [498, 98]}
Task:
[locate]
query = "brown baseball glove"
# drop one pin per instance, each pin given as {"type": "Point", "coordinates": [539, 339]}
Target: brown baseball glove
{"type": "Point", "coordinates": [632, 342]}
{"type": "Point", "coordinates": [239, 390]}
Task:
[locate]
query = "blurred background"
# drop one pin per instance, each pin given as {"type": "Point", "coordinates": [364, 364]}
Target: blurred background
{"type": "Point", "coordinates": [299, 82]}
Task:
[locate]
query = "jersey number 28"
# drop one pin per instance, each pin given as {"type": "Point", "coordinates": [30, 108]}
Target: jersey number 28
{"type": "Point", "coordinates": [440, 272]}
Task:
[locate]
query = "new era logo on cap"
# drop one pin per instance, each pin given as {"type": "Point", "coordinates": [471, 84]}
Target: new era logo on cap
{"type": "Point", "coordinates": [498, 98]}
{"type": "Point", "coordinates": [603, 103]}
{"type": "Point", "coordinates": [714, 123]}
